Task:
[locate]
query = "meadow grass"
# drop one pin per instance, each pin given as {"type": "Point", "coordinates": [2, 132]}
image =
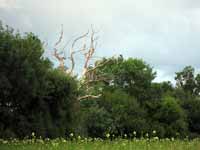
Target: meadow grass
{"type": "Point", "coordinates": [99, 144]}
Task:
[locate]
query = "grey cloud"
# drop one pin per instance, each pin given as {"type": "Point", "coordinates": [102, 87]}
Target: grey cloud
{"type": "Point", "coordinates": [164, 33]}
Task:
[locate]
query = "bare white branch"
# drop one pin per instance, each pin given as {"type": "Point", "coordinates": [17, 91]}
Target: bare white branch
{"type": "Point", "coordinates": [60, 38]}
{"type": "Point", "coordinates": [89, 96]}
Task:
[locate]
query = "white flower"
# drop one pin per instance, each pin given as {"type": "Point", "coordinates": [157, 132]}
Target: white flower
{"type": "Point", "coordinates": [79, 137]}
{"type": "Point", "coordinates": [71, 135]}
{"type": "Point", "coordinates": [134, 132]}
{"type": "Point", "coordinates": [107, 135]}
{"type": "Point", "coordinates": [33, 134]}
{"type": "Point", "coordinates": [156, 138]}
{"type": "Point", "coordinates": [154, 131]}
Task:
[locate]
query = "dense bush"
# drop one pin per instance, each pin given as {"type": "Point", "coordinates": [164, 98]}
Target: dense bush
{"type": "Point", "coordinates": [115, 113]}
{"type": "Point", "coordinates": [171, 117]}
{"type": "Point", "coordinates": [192, 107]}
{"type": "Point", "coordinates": [33, 96]}
{"type": "Point", "coordinates": [126, 112]}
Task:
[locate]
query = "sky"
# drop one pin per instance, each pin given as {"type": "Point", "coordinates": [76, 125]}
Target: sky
{"type": "Point", "coordinates": [164, 33]}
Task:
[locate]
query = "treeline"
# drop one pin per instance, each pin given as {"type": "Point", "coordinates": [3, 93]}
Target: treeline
{"type": "Point", "coordinates": [36, 97]}
{"type": "Point", "coordinates": [131, 101]}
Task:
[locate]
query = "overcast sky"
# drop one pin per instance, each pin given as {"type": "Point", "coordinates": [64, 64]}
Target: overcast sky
{"type": "Point", "coordinates": [165, 33]}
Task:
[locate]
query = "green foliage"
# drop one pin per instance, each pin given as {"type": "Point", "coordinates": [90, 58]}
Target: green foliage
{"type": "Point", "coordinates": [197, 81]}
{"type": "Point", "coordinates": [132, 75]}
{"type": "Point", "coordinates": [187, 81]}
{"type": "Point", "coordinates": [171, 116]}
{"type": "Point", "coordinates": [134, 103]}
{"type": "Point", "coordinates": [33, 96]}
{"type": "Point", "coordinates": [116, 113]}
{"type": "Point", "coordinates": [127, 114]}
{"type": "Point", "coordinates": [97, 122]}
{"type": "Point", "coordinates": [192, 107]}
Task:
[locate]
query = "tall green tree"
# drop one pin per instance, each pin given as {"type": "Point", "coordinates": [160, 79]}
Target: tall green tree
{"type": "Point", "coordinates": [132, 75]}
{"type": "Point", "coordinates": [185, 79]}
{"type": "Point", "coordinates": [33, 96]}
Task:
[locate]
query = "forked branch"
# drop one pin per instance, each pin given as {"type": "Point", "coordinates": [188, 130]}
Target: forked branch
{"type": "Point", "coordinates": [72, 51]}
{"type": "Point", "coordinates": [58, 55]}
{"type": "Point", "coordinates": [89, 75]}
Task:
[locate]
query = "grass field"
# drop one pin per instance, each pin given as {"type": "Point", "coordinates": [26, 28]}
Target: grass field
{"type": "Point", "coordinates": [98, 144]}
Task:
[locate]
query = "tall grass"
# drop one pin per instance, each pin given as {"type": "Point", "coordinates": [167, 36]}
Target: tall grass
{"type": "Point", "coordinates": [99, 144]}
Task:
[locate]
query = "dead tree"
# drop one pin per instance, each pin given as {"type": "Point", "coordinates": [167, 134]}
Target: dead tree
{"type": "Point", "coordinates": [88, 74]}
